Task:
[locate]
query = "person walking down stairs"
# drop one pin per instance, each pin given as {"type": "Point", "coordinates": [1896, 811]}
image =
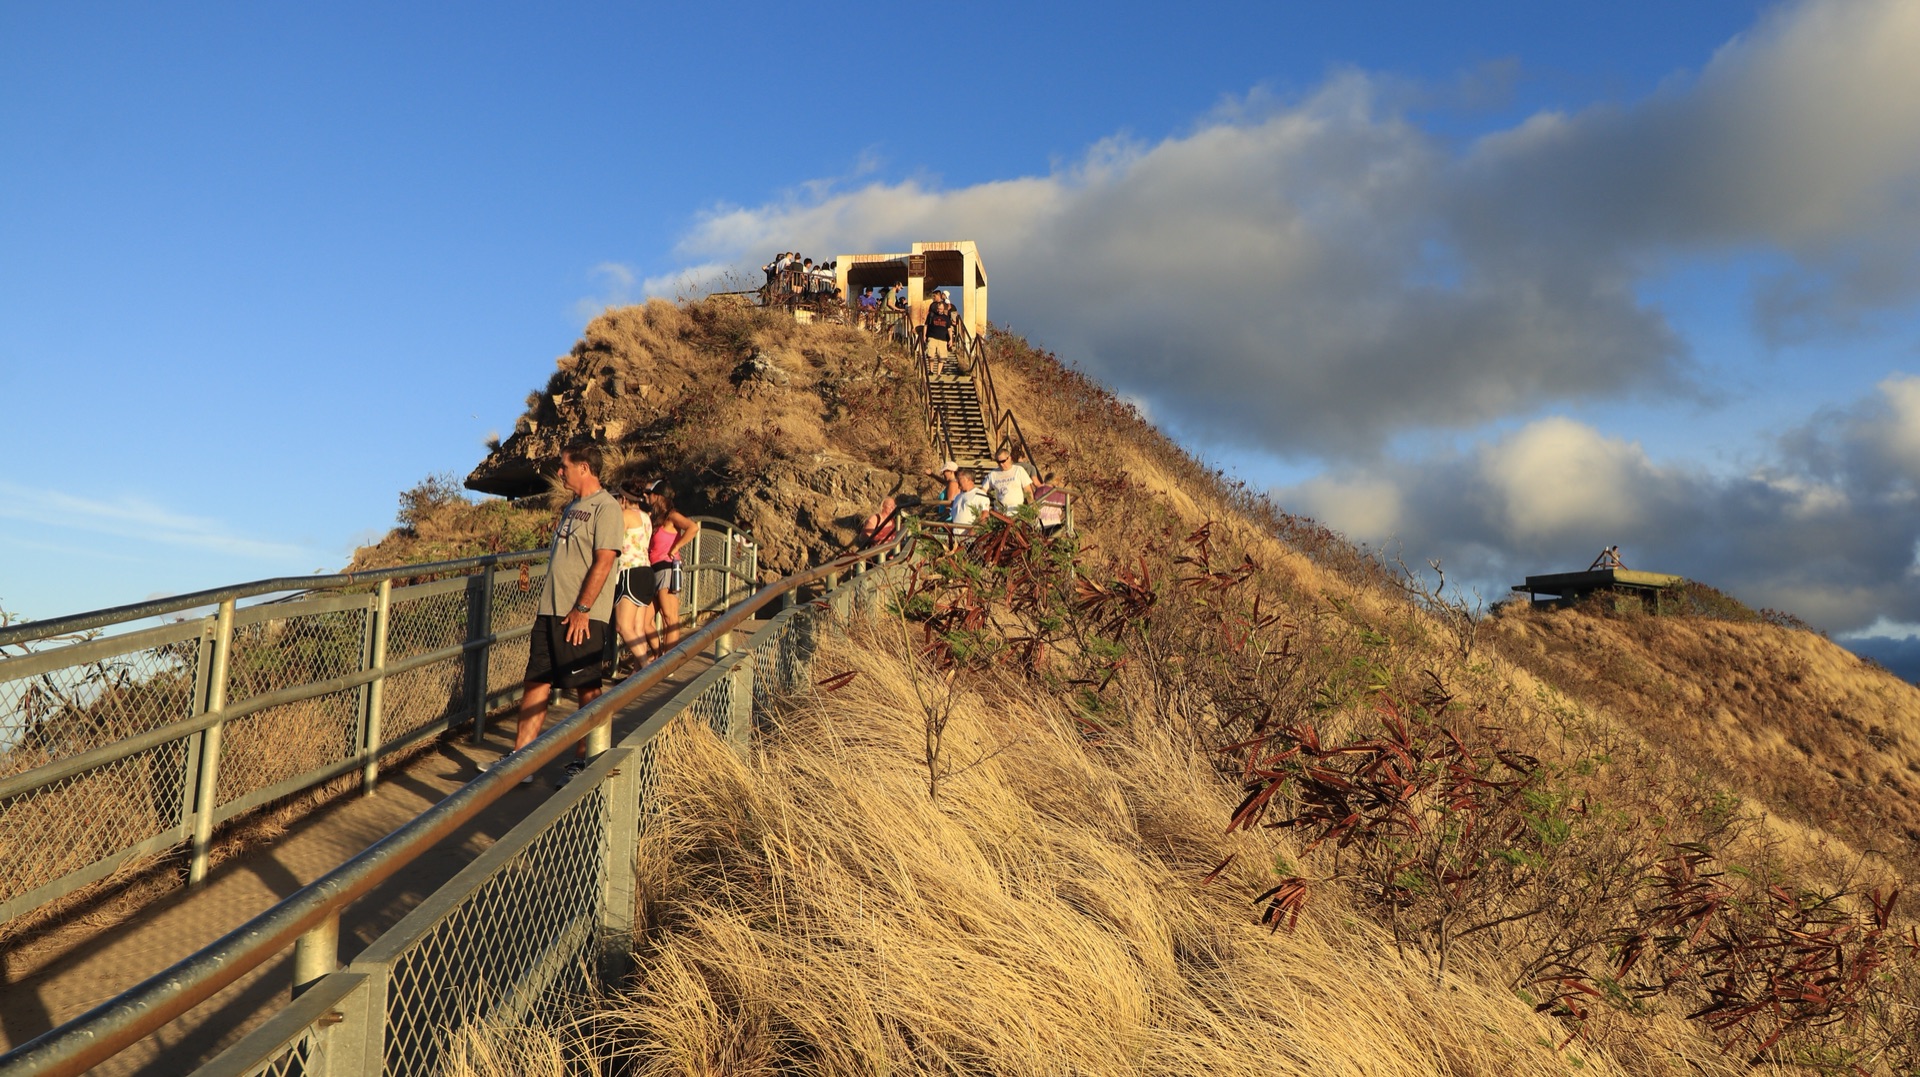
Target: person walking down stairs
{"type": "Point", "coordinates": [939, 331]}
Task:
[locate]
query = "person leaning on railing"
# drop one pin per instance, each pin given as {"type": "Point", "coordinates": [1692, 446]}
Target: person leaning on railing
{"type": "Point", "coordinates": [672, 530]}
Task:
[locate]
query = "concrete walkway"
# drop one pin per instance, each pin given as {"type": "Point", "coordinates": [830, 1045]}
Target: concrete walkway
{"type": "Point", "coordinates": [81, 965]}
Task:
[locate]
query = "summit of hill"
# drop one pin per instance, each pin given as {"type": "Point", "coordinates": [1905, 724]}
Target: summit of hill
{"type": "Point", "coordinates": [1201, 786]}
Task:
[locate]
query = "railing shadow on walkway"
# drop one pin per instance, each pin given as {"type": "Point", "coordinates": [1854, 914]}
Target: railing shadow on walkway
{"type": "Point", "coordinates": [541, 916]}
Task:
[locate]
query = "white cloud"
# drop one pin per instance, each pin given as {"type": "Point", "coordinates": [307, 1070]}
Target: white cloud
{"type": "Point", "coordinates": [691, 282]}
{"type": "Point", "coordinates": [613, 287]}
{"type": "Point", "coordinates": [1365, 507]}
{"type": "Point", "coordinates": [1559, 477]}
{"type": "Point", "coordinates": [1827, 528]}
{"type": "Point", "coordinates": [1900, 430]}
{"type": "Point", "coordinates": [1313, 277]}
{"type": "Point", "coordinates": [135, 522]}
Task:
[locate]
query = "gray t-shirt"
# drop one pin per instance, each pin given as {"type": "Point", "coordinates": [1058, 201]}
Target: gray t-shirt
{"type": "Point", "coordinates": [587, 524]}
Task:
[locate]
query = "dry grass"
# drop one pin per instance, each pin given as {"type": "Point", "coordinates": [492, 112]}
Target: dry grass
{"type": "Point", "coordinates": [1796, 724]}
{"type": "Point", "coordinates": [813, 910]}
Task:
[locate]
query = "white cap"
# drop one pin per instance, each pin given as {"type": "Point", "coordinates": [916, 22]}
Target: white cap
{"type": "Point", "coordinates": [948, 465]}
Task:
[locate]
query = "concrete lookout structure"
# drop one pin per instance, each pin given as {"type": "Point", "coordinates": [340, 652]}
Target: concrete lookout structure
{"type": "Point", "coordinates": [1605, 574]}
{"type": "Point", "coordinates": [949, 264]}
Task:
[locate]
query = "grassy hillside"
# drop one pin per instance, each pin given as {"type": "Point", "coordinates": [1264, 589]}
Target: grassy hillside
{"type": "Point", "coordinates": [1794, 723]}
{"type": "Point", "coordinates": [1208, 790]}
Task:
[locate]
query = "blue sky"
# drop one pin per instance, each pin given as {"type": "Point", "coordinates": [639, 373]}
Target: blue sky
{"type": "Point", "coordinates": [262, 267]}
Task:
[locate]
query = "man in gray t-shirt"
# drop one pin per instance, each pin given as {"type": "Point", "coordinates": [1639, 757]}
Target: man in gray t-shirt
{"type": "Point", "coordinates": [569, 639]}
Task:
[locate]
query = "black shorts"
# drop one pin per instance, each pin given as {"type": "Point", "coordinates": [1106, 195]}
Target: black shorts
{"type": "Point", "coordinates": [636, 585]}
{"type": "Point", "coordinates": [552, 660]}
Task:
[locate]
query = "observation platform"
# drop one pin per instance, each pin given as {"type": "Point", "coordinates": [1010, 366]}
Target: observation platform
{"type": "Point", "coordinates": [1564, 587]}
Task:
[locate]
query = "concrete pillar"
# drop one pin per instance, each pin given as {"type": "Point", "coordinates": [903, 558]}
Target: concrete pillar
{"type": "Point", "coordinates": [916, 301]}
{"type": "Point", "coordinates": [840, 268]}
{"type": "Point", "coordinates": [969, 267]}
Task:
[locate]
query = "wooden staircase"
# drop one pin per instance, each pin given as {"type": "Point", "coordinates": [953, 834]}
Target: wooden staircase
{"type": "Point", "coordinates": [956, 403]}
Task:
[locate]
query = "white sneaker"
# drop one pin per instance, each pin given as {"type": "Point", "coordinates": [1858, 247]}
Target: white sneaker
{"type": "Point", "coordinates": [484, 767]}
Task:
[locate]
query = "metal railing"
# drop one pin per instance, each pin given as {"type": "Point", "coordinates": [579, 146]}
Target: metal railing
{"type": "Point", "coordinates": [539, 918]}
{"type": "Point", "coordinates": [1003, 427]}
{"type": "Point", "coordinates": [722, 567]}
{"type": "Point", "coordinates": [121, 748]}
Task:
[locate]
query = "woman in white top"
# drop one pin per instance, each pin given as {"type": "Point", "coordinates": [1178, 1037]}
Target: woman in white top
{"type": "Point", "coordinates": [633, 591]}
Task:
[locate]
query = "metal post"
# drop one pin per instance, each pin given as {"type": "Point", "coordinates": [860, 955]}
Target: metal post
{"type": "Point", "coordinates": [617, 893]}
{"type": "Point", "coordinates": [316, 953]}
{"type": "Point", "coordinates": [206, 781]}
{"type": "Point", "coordinates": [358, 1044]}
{"type": "Point", "coordinates": [196, 706]}
{"type": "Point", "coordinates": [690, 609]}
{"type": "Point", "coordinates": [600, 738]}
{"type": "Point", "coordinates": [740, 704]}
{"type": "Point", "coordinates": [480, 659]}
{"type": "Point", "coordinates": [376, 692]}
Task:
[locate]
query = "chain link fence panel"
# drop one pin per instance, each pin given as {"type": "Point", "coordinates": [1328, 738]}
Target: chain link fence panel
{"type": "Point", "coordinates": [66, 700]}
{"type": "Point", "coordinates": [91, 819]}
{"type": "Point", "coordinates": [276, 745]}
{"type": "Point", "coordinates": [513, 947]}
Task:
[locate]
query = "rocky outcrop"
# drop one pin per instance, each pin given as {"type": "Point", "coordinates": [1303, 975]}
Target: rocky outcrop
{"type": "Point", "coordinates": [793, 432]}
{"type": "Point", "coordinates": [802, 512]}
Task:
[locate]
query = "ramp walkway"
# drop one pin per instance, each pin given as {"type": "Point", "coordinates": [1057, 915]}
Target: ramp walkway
{"type": "Point", "coordinates": [370, 966]}
{"type": "Point", "coordinates": [61, 976]}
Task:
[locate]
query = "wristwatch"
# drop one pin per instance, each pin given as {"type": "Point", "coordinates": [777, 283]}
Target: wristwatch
{"type": "Point", "coordinates": [578, 608]}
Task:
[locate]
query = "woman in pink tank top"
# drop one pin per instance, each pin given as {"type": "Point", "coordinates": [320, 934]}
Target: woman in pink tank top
{"type": "Point", "coordinates": [671, 533]}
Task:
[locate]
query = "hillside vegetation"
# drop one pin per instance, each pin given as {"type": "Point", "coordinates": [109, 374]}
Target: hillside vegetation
{"type": "Point", "coordinates": [1206, 789]}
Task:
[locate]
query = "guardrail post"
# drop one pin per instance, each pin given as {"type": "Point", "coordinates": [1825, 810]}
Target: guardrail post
{"type": "Point", "coordinates": [617, 892]}
{"type": "Point", "coordinates": [599, 739]}
{"type": "Point", "coordinates": [197, 705]}
{"type": "Point", "coordinates": [207, 779]}
{"type": "Point", "coordinates": [376, 691]}
{"type": "Point", "coordinates": [479, 659]}
{"type": "Point", "coordinates": [690, 603]}
{"type": "Point", "coordinates": [740, 705]}
{"type": "Point", "coordinates": [358, 1044]}
{"type": "Point", "coordinates": [316, 953]}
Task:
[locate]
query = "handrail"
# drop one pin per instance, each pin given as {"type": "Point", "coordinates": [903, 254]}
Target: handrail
{"type": "Point", "coordinates": [58, 626]}
{"type": "Point", "coordinates": [105, 1030]}
{"type": "Point", "coordinates": [995, 417]}
{"type": "Point", "coordinates": [938, 430]}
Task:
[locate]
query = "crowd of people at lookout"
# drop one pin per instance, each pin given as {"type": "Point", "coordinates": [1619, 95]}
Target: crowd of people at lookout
{"type": "Point", "coordinates": [794, 279]}
{"type": "Point", "coordinates": [790, 275]}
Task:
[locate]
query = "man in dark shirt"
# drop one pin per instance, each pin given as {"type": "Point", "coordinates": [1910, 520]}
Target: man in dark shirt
{"type": "Point", "coordinates": [939, 333]}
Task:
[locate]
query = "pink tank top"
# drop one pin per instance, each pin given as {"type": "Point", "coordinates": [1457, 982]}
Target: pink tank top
{"type": "Point", "coordinates": [661, 542]}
